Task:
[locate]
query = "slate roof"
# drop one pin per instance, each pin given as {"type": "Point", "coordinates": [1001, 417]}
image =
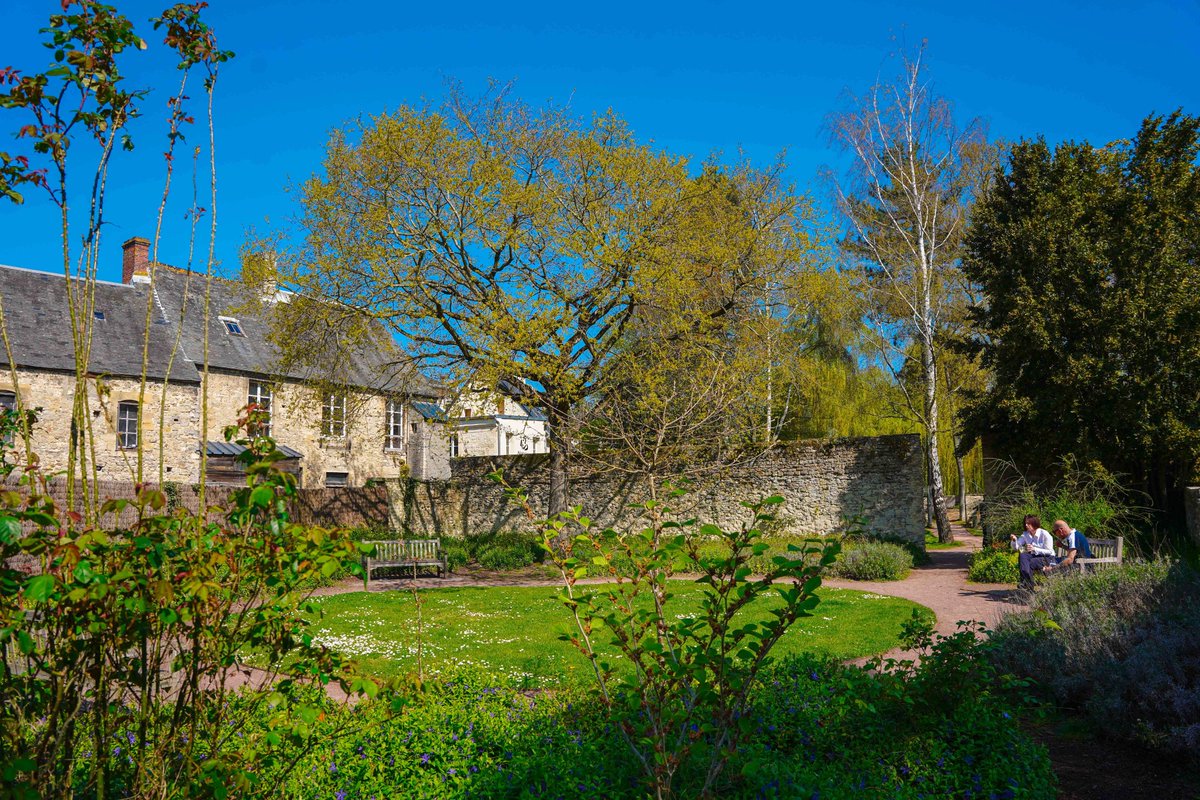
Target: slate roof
{"type": "Point", "coordinates": [430, 411]}
{"type": "Point", "coordinates": [523, 393]}
{"type": "Point", "coordinates": [35, 313]}
{"type": "Point", "coordinates": [39, 328]}
{"type": "Point", "coordinates": [232, 449]}
{"type": "Point", "coordinates": [376, 366]}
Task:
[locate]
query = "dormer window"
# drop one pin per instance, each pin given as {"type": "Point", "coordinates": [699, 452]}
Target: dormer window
{"type": "Point", "coordinates": [232, 326]}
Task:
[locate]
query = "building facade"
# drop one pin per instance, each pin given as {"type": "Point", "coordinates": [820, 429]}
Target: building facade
{"type": "Point", "coordinates": [201, 370]}
{"type": "Point", "coordinates": [504, 422]}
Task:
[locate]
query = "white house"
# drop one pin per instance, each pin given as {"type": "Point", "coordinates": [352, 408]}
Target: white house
{"type": "Point", "coordinates": [497, 423]}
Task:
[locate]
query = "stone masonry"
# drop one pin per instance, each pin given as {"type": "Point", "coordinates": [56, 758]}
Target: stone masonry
{"type": "Point", "coordinates": [296, 422]}
{"type": "Point", "coordinates": [51, 395]}
{"type": "Point", "coordinates": [825, 485]}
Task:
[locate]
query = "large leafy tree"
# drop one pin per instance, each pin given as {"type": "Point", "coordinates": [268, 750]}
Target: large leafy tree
{"type": "Point", "coordinates": [499, 240]}
{"type": "Point", "coordinates": [1090, 261]}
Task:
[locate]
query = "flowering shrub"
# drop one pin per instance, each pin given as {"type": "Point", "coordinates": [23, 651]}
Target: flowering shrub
{"type": "Point", "coordinates": [1120, 645]}
{"type": "Point", "coordinates": [872, 561]}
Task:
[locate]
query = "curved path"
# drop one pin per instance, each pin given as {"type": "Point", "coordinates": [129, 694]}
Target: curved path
{"type": "Point", "coordinates": [941, 585]}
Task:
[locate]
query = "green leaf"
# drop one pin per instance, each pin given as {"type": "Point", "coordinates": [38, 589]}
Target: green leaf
{"type": "Point", "coordinates": [262, 496]}
{"type": "Point", "coordinates": [10, 530]}
{"type": "Point", "coordinates": [39, 588]}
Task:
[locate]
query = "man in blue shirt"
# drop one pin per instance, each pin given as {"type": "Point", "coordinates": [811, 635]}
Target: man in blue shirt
{"type": "Point", "coordinates": [1072, 541]}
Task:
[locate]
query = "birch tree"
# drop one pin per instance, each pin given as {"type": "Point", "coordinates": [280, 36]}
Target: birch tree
{"type": "Point", "coordinates": [905, 198]}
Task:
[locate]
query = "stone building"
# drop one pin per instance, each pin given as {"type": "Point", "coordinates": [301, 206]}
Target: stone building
{"type": "Point", "coordinates": [504, 422]}
{"type": "Point", "coordinates": [368, 429]}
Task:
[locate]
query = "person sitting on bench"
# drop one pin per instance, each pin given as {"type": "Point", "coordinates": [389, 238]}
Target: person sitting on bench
{"type": "Point", "coordinates": [1036, 550]}
{"type": "Point", "coordinates": [1070, 540]}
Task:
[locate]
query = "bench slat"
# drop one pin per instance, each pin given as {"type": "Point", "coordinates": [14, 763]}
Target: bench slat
{"type": "Point", "coordinates": [1104, 551]}
{"type": "Point", "coordinates": [406, 553]}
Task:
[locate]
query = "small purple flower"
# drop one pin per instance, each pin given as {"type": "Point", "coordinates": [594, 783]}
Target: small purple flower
{"type": "Point", "coordinates": [333, 767]}
{"type": "Point", "coordinates": [340, 794]}
{"type": "Point", "coordinates": [452, 771]}
{"type": "Point", "coordinates": [425, 758]}
{"type": "Point", "coordinates": [813, 676]}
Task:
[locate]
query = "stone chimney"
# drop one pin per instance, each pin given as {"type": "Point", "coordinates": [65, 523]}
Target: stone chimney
{"type": "Point", "coordinates": [136, 260]}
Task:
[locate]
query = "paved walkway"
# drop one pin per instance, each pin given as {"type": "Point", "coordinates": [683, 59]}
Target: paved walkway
{"type": "Point", "coordinates": [942, 586]}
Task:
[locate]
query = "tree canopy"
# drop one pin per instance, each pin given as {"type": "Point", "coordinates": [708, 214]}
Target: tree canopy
{"type": "Point", "coordinates": [1090, 261]}
{"type": "Point", "coordinates": [500, 240]}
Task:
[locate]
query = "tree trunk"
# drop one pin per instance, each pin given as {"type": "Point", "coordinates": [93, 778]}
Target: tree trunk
{"type": "Point", "coordinates": [557, 438]}
{"type": "Point", "coordinates": [962, 488]}
{"type": "Point", "coordinates": [936, 485]}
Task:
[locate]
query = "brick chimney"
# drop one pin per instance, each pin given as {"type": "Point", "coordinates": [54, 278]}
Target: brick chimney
{"type": "Point", "coordinates": [136, 259]}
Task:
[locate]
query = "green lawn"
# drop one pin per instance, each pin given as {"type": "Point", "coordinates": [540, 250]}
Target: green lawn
{"type": "Point", "coordinates": [932, 543]}
{"type": "Point", "coordinates": [514, 631]}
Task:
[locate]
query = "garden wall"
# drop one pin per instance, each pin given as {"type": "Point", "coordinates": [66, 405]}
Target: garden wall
{"type": "Point", "coordinates": [350, 507]}
{"type": "Point", "coordinates": [824, 483]}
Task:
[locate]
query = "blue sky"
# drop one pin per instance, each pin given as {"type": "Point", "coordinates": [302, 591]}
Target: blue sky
{"type": "Point", "coordinates": [695, 78]}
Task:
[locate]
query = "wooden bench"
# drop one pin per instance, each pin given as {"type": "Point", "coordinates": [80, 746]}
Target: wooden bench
{"type": "Point", "coordinates": [406, 553]}
{"type": "Point", "coordinates": [1104, 551]}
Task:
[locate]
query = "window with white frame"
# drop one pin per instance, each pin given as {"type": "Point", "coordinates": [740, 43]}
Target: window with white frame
{"type": "Point", "coordinates": [260, 395]}
{"type": "Point", "coordinates": [394, 426]}
{"type": "Point", "coordinates": [127, 425]}
{"type": "Point", "coordinates": [333, 416]}
{"type": "Point", "coordinates": [454, 445]}
{"type": "Point", "coordinates": [232, 326]}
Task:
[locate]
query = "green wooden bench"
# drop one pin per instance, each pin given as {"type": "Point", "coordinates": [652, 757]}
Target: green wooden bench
{"type": "Point", "coordinates": [406, 553]}
{"type": "Point", "coordinates": [1104, 551]}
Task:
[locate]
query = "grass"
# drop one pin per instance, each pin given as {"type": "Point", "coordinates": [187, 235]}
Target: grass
{"type": "Point", "coordinates": [932, 543]}
{"type": "Point", "coordinates": [514, 631]}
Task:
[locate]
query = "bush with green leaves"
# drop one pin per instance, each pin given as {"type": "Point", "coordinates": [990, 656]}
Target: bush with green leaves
{"type": "Point", "coordinates": [993, 565]}
{"type": "Point", "coordinates": [504, 550]}
{"type": "Point", "coordinates": [1089, 498]}
{"type": "Point", "coordinates": [1120, 645]}
{"type": "Point", "coordinates": [123, 644]}
{"type": "Point", "coordinates": [457, 553]}
{"type": "Point", "coordinates": [812, 728]}
{"type": "Point", "coordinates": [872, 561]}
{"type": "Point", "coordinates": [682, 705]}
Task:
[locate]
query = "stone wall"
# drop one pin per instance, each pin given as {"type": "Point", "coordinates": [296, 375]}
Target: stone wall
{"type": "Point", "coordinates": [295, 419]}
{"type": "Point", "coordinates": [824, 483]}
